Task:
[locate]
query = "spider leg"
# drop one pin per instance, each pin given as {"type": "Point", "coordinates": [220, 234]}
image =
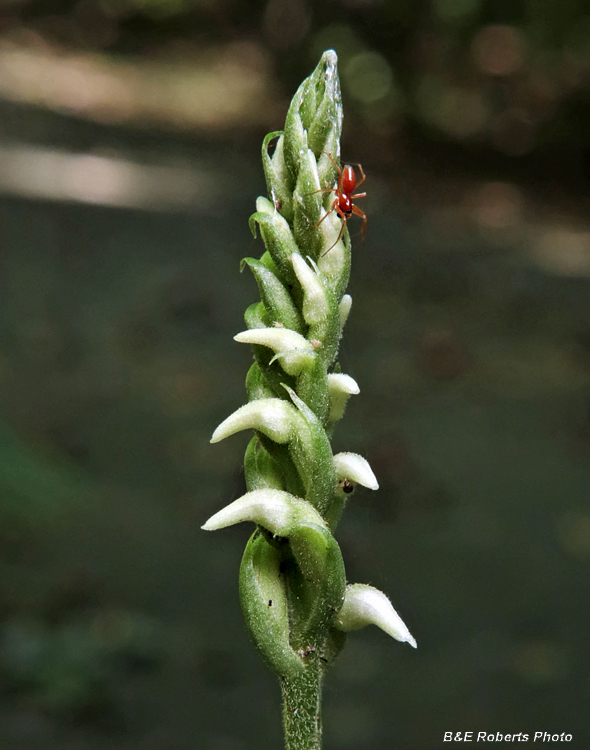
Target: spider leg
{"type": "Point", "coordinates": [332, 160]}
{"type": "Point", "coordinates": [334, 205]}
{"type": "Point", "coordinates": [326, 190]}
{"type": "Point", "coordinates": [344, 220]}
{"type": "Point", "coordinates": [357, 212]}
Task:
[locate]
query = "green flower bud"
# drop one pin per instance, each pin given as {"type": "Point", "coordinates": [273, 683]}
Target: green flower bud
{"type": "Point", "coordinates": [260, 468]}
{"type": "Point", "coordinates": [277, 301]}
{"type": "Point", "coordinates": [278, 239]}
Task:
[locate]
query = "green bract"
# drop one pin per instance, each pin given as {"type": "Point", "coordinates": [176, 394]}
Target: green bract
{"type": "Point", "coordinates": [293, 588]}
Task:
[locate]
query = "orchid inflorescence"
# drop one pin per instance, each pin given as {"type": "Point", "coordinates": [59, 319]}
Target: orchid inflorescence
{"type": "Point", "coordinates": [295, 598]}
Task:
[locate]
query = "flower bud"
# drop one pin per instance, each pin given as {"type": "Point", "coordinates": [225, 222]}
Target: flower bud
{"type": "Point", "coordinates": [277, 301]}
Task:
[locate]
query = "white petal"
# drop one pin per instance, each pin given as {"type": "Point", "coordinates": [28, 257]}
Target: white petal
{"type": "Point", "coordinates": [356, 468]}
{"type": "Point", "coordinates": [341, 387]}
{"type": "Point", "coordinates": [276, 510]}
{"type": "Point", "coordinates": [334, 257]}
{"type": "Point", "coordinates": [272, 416]}
{"type": "Point", "coordinates": [315, 303]}
{"type": "Point", "coordinates": [264, 206]}
{"type": "Point", "coordinates": [344, 308]}
{"type": "Point", "coordinates": [365, 605]}
{"type": "Point", "coordinates": [293, 350]}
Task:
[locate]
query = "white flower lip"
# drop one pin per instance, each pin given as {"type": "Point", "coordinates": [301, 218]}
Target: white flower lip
{"type": "Point", "coordinates": [365, 605]}
{"type": "Point", "coordinates": [293, 350]}
{"type": "Point", "coordinates": [341, 387]}
{"type": "Point", "coordinates": [315, 302]}
{"type": "Point", "coordinates": [276, 510]}
{"type": "Point", "coordinates": [272, 416]}
{"type": "Point", "coordinates": [356, 468]}
{"type": "Point", "coordinates": [341, 383]}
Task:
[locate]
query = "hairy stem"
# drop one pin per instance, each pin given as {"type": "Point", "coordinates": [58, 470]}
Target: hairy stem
{"type": "Point", "coordinates": [302, 706]}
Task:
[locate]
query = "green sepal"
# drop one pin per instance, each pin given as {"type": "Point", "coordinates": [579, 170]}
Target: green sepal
{"type": "Point", "coordinates": [312, 455]}
{"type": "Point", "coordinates": [340, 283]}
{"type": "Point", "coordinates": [280, 244]}
{"type": "Point", "coordinates": [328, 330]}
{"type": "Point", "coordinates": [260, 468]}
{"type": "Point", "coordinates": [317, 593]}
{"type": "Point", "coordinates": [275, 171]}
{"type": "Point", "coordinates": [256, 385]}
{"type": "Point", "coordinates": [308, 204]}
{"type": "Point", "coordinates": [295, 135]}
{"type": "Point", "coordinates": [335, 509]}
{"type": "Point", "coordinates": [264, 606]}
{"type": "Point", "coordinates": [323, 132]}
{"type": "Point", "coordinates": [256, 316]}
{"type": "Point", "coordinates": [277, 301]}
{"type": "Point", "coordinates": [312, 388]}
{"type": "Point", "coordinates": [272, 372]}
{"type": "Point", "coordinates": [309, 99]}
{"type": "Point", "coordinates": [268, 262]}
{"type": "Point", "coordinates": [282, 456]}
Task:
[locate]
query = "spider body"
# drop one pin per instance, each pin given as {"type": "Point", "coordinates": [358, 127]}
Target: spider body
{"type": "Point", "coordinates": [343, 202]}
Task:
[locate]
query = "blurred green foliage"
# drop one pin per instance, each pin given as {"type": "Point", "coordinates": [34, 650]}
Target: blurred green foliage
{"type": "Point", "coordinates": [509, 75]}
{"type": "Point", "coordinates": [70, 668]}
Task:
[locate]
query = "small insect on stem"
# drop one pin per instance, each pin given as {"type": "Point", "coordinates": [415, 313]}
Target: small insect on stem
{"type": "Point", "coordinates": [345, 194]}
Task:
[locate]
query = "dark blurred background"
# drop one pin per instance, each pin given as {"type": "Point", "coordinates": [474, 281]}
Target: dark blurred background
{"type": "Point", "coordinates": [130, 136]}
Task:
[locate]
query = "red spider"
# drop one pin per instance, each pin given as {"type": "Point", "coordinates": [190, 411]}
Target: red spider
{"type": "Point", "coordinates": [343, 204]}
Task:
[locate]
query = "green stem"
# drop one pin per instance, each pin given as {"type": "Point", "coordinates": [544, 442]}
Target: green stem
{"type": "Point", "coordinates": [302, 708]}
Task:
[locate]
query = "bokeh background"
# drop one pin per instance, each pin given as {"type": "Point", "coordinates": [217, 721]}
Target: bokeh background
{"type": "Point", "coordinates": [129, 164]}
